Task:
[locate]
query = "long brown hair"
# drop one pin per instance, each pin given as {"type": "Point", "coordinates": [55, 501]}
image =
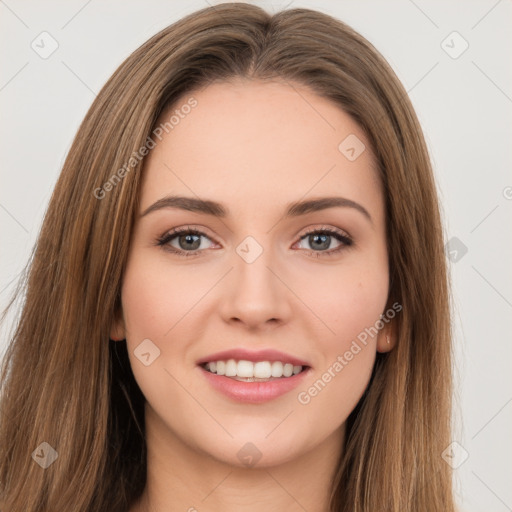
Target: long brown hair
{"type": "Point", "coordinates": [64, 382]}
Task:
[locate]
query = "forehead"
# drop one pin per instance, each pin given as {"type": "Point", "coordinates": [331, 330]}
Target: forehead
{"type": "Point", "coordinates": [260, 144]}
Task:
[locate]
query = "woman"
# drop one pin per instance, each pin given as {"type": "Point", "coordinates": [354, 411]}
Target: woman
{"type": "Point", "coordinates": [228, 306]}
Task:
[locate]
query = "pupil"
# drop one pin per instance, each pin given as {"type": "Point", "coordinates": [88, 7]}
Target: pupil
{"type": "Point", "coordinates": [188, 238]}
{"type": "Point", "coordinates": [325, 245]}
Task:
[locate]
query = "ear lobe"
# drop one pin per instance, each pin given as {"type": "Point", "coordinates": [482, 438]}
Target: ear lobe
{"type": "Point", "coordinates": [386, 340]}
{"type": "Point", "coordinates": [117, 330]}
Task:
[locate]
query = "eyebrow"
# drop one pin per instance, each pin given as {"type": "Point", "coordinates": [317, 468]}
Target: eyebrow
{"type": "Point", "coordinates": [215, 209]}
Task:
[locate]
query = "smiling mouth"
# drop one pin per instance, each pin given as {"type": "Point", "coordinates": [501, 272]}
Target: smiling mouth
{"type": "Point", "coordinates": [248, 371]}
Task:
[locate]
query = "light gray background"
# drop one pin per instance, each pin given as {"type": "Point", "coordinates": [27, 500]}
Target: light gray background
{"type": "Point", "coordinates": [463, 103]}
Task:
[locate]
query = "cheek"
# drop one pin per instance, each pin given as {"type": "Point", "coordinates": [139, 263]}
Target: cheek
{"type": "Point", "coordinates": [153, 298]}
{"type": "Point", "coordinates": [345, 300]}
{"type": "Point", "coordinates": [151, 307]}
{"type": "Point", "coordinates": [350, 308]}
{"type": "Point", "coordinates": [143, 307]}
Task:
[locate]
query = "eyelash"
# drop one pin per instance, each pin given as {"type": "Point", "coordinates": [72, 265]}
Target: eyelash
{"type": "Point", "coordinates": [164, 240]}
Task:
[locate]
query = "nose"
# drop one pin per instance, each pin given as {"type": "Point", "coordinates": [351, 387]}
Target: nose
{"type": "Point", "coordinates": [256, 296]}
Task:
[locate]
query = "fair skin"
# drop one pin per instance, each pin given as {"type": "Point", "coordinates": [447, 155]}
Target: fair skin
{"type": "Point", "coordinates": [254, 147]}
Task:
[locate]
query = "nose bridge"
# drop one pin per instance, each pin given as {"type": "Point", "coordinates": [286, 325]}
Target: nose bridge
{"type": "Point", "coordinates": [254, 258]}
{"type": "Point", "coordinates": [257, 294]}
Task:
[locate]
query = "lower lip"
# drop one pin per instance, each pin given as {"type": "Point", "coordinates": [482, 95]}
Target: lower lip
{"type": "Point", "coordinates": [253, 392]}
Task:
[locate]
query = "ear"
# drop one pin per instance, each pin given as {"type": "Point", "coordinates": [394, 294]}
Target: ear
{"type": "Point", "coordinates": [118, 329]}
{"type": "Point", "coordinates": [387, 337]}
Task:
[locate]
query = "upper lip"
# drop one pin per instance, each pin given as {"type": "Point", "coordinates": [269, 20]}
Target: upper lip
{"type": "Point", "coordinates": [238, 354]}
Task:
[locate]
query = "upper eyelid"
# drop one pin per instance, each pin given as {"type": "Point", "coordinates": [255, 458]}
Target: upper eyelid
{"type": "Point", "coordinates": [204, 231]}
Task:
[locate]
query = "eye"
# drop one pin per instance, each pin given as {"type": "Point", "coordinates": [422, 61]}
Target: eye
{"type": "Point", "coordinates": [186, 241]}
{"type": "Point", "coordinates": [322, 238]}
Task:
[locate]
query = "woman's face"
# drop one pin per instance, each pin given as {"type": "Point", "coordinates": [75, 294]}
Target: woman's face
{"type": "Point", "coordinates": [252, 281]}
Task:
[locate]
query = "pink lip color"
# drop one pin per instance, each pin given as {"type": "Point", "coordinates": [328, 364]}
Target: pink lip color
{"type": "Point", "coordinates": [253, 392]}
{"type": "Point", "coordinates": [254, 356]}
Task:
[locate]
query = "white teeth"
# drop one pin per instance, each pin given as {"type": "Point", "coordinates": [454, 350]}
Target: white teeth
{"type": "Point", "coordinates": [244, 369]}
{"type": "Point", "coordinates": [249, 370]}
{"type": "Point", "coordinates": [288, 370]}
{"type": "Point", "coordinates": [221, 367]}
{"type": "Point", "coordinates": [231, 368]}
{"type": "Point", "coordinates": [262, 369]}
{"type": "Point", "coordinates": [277, 369]}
